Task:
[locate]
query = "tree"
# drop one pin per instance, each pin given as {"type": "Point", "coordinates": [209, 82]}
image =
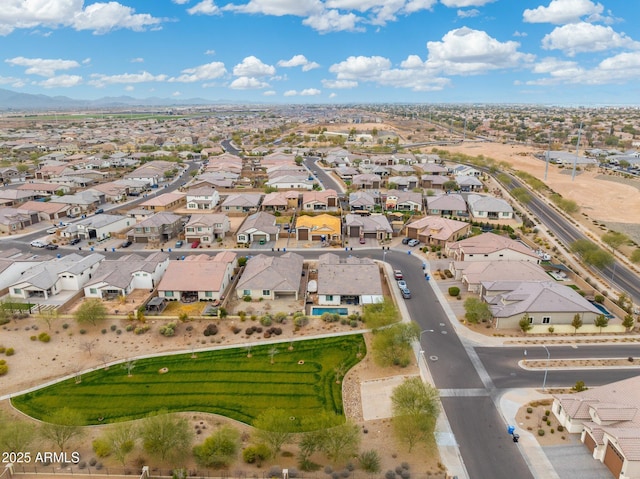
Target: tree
{"type": "Point", "coordinates": [314, 437]}
{"type": "Point", "coordinates": [591, 253]}
{"type": "Point", "coordinates": [450, 185]}
{"type": "Point", "coordinates": [274, 427]}
{"type": "Point", "coordinates": [415, 410]}
{"type": "Point", "coordinates": [341, 442]}
{"type": "Point", "coordinates": [601, 321]}
{"type": "Point", "coordinates": [61, 426]}
{"type": "Point", "coordinates": [272, 352]}
{"type": "Point", "coordinates": [576, 323]}
{"type": "Point", "coordinates": [392, 346]}
{"type": "Point", "coordinates": [48, 317]}
{"type": "Point", "coordinates": [614, 239]}
{"type": "Point", "coordinates": [220, 449]}
{"type": "Point", "coordinates": [476, 310]}
{"type": "Point", "coordinates": [88, 346]}
{"type": "Point", "coordinates": [122, 439]}
{"type": "Point", "coordinates": [635, 256]}
{"type": "Point", "coordinates": [91, 311]}
{"type": "Point", "coordinates": [16, 435]}
{"type": "Point", "coordinates": [525, 323]}
{"type": "Point", "coordinates": [166, 436]}
{"type": "Point", "coordinates": [628, 322]}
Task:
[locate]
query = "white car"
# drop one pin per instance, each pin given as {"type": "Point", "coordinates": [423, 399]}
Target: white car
{"type": "Point", "coordinates": [38, 244]}
{"type": "Point", "coordinates": [402, 284]}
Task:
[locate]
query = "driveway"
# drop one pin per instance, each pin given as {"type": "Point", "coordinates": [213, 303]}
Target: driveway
{"type": "Point", "coordinates": [575, 462]}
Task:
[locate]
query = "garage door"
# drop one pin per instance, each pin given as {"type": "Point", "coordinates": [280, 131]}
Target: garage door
{"type": "Point", "coordinates": [371, 235]}
{"type": "Point", "coordinates": [303, 234]}
{"type": "Point", "coordinates": [589, 442]}
{"type": "Point", "coordinates": [259, 237]}
{"type": "Point", "coordinates": [354, 231]}
{"type": "Point", "coordinates": [613, 460]}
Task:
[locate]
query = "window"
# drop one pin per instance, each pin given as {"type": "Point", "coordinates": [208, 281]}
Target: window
{"type": "Point", "coordinates": [17, 290]}
{"type": "Point", "coordinates": [329, 297]}
{"type": "Point", "coordinates": [246, 292]}
{"type": "Point", "coordinates": [208, 294]}
{"type": "Point", "coordinates": [546, 320]}
{"type": "Point", "coordinates": [168, 294]}
{"type": "Point", "coordinates": [530, 319]}
{"type": "Point", "coordinates": [266, 292]}
{"type": "Point", "coordinates": [93, 291]}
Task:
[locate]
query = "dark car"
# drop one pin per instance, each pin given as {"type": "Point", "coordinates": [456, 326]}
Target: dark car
{"type": "Point", "coordinates": [74, 241]}
{"type": "Point", "coordinates": [125, 244]}
{"type": "Point", "coordinates": [406, 240]}
{"type": "Point", "coordinates": [99, 211]}
{"type": "Point", "coordinates": [51, 246]}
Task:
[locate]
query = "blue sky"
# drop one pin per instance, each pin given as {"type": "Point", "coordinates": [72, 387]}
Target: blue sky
{"type": "Point", "coordinates": [562, 52]}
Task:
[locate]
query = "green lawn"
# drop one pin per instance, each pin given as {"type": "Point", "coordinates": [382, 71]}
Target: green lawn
{"type": "Point", "coordinates": [224, 382]}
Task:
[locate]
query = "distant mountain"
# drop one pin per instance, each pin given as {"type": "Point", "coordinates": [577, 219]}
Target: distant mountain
{"type": "Point", "coordinates": [11, 100]}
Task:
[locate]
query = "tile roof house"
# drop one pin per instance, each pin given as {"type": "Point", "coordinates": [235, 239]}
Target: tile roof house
{"type": "Point", "coordinates": [13, 197]}
{"type": "Point", "coordinates": [47, 279]}
{"type": "Point", "coordinates": [468, 183]}
{"type": "Point", "coordinates": [545, 302]}
{"type": "Point", "coordinates": [403, 200]}
{"type": "Point", "coordinates": [447, 205]}
{"type": "Point", "coordinates": [206, 228]}
{"type": "Point", "coordinates": [269, 277]}
{"type": "Point", "coordinates": [258, 227]}
{"type": "Point", "coordinates": [119, 277]}
{"type": "Point", "coordinates": [473, 273]}
{"type": "Point", "coordinates": [157, 228]}
{"type": "Point", "coordinates": [488, 207]}
{"type": "Point", "coordinates": [202, 198]}
{"type": "Point", "coordinates": [608, 420]}
{"type": "Point", "coordinates": [198, 278]}
{"type": "Point", "coordinates": [325, 200]}
{"type": "Point", "coordinates": [164, 201]}
{"type": "Point", "coordinates": [373, 226]}
{"type": "Point", "coordinates": [280, 200]}
{"type": "Point", "coordinates": [366, 181]}
{"type": "Point", "coordinates": [341, 280]}
{"type": "Point", "coordinates": [47, 211]}
{"type": "Point", "coordinates": [98, 227]}
{"type": "Point", "coordinates": [323, 227]}
{"type": "Point", "coordinates": [436, 230]}
{"type": "Point", "coordinates": [16, 219]}
{"type": "Point", "coordinates": [362, 201]}
{"type": "Point", "coordinates": [434, 182]}
{"type": "Point", "coordinates": [490, 247]}
{"type": "Point", "coordinates": [241, 203]}
{"type": "Point", "coordinates": [403, 182]}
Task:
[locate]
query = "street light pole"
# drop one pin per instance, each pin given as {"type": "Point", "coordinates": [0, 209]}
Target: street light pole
{"type": "Point", "coordinates": [420, 338]}
{"type": "Point", "coordinates": [546, 369]}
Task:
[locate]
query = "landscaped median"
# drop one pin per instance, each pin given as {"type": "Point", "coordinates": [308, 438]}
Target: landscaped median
{"type": "Point", "coordinates": [302, 378]}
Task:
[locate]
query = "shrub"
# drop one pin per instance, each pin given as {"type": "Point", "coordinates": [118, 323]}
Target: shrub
{"type": "Point", "coordinates": [598, 298]}
{"type": "Point", "coordinates": [184, 317]}
{"type": "Point", "coordinates": [454, 291]}
{"type": "Point", "coordinates": [547, 412]}
{"type": "Point", "coordinates": [168, 330]}
{"type": "Point", "coordinates": [256, 454]}
{"type": "Point", "coordinates": [301, 321]}
{"type": "Point", "coordinates": [390, 474]}
{"type": "Point", "coordinates": [529, 410]}
{"type": "Point", "coordinates": [4, 367]}
{"type": "Point", "coordinates": [551, 329]}
{"type": "Point", "coordinates": [560, 428]}
{"type": "Point", "coordinates": [83, 331]}
{"type": "Point", "coordinates": [113, 327]}
{"type": "Point", "coordinates": [552, 430]}
{"type": "Point", "coordinates": [246, 298]}
{"type": "Point", "coordinates": [104, 331]}
{"type": "Point", "coordinates": [44, 337]}
{"type": "Point", "coordinates": [33, 338]}
{"type": "Point", "coordinates": [266, 320]}
{"type": "Point", "coordinates": [540, 432]}
{"type": "Point", "coordinates": [101, 447]}
{"type": "Point", "coordinates": [10, 352]}
{"type": "Point", "coordinates": [2, 350]}
{"type": "Point", "coordinates": [280, 317]}
{"type": "Point", "coordinates": [211, 330]}
{"type": "Point", "coordinates": [129, 327]}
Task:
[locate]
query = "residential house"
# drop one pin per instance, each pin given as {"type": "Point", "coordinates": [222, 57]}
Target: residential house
{"type": "Point", "coordinates": [325, 200]}
{"type": "Point", "coordinates": [10, 174]}
{"type": "Point", "coordinates": [198, 278]}
{"type": "Point", "coordinates": [324, 227]}
{"type": "Point", "coordinates": [400, 170]}
{"type": "Point", "coordinates": [113, 191]}
{"type": "Point", "coordinates": [259, 227]}
{"type": "Point", "coordinates": [433, 182]}
{"type": "Point", "coordinates": [121, 276]}
{"type": "Point", "coordinates": [403, 182]}
{"type": "Point", "coordinates": [544, 302]}
{"type": "Point", "coordinates": [80, 203]}
{"type": "Point", "coordinates": [202, 198]}
{"type": "Point", "coordinates": [348, 280]}
{"type": "Point", "coordinates": [16, 219]}
{"type": "Point", "coordinates": [98, 227]}
{"type": "Point", "coordinates": [156, 229]}
{"type": "Point", "coordinates": [366, 181]}
{"type": "Point", "coordinates": [47, 279]}
{"type": "Point", "coordinates": [362, 201]}
{"type": "Point", "coordinates": [490, 247]}
{"type": "Point", "coordinates": [297, 182]}
{"type": "Point", "coordinates": [206, 228]}
{"type": "Point", "coordinates": [216, 179]}
{"type": "Point", "coordinates": [436, 230]}
{"type": "Point", "coordinates": [468, 183]}
{"type": "Point", "coordinates": [447, 205]}
{"type": "Point", "coordinates": [474, 273]}
{"type": "Point", "coordinates": [241, 203]}
{"type": "Point", "coordinates": [153, 172]}
{"type": "Point", "coordinates": [280, 200]}
{"type": "Point", "coordinates": [44, 190]}
{"type": "Point", "coordinates": [14, 196]}
{"type": "Point", "coordinates": [464, 170]}
{"type": "Point", "coordinates": [373, 226]}
{"type": "Point", "coordinates": [434, 169]}
{"type": "Point", "coordinates": [271, 277]}
{"type": "Point", "coordinates": [403, 200]}
{"type": "Point", "coordinates": [52, 171]}
{"type": "Point", "coordinates": [13, 264]}
{"type": "Point", "coordinates": [165, 202]}
{"type": "Point", "coordinates": [46, 210]}
{"type": "Point", "coordinates": [346, 172]}
{"type": "Point", "coordinates": [489, 208]}
{"type": "Point", "coordinates": [608, 420]}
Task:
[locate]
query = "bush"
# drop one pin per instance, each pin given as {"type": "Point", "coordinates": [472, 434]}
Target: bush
{"type": "Point", "coordinates": [256, 454]}
{"type": "Point", "coordinates": [4, 367]}
{"type": "Point", "coordinates": [10, 352]}
{"type": "Point", "coordinates": [211, 330]}
{"type": "Point", "coordinates": [101, 447]}
{"type": "Point", "coordinates": [266, 320]}
{"type": "Point", "coordinates": [301, 321]}
{"type": "Point", "coordinates": [168, 330]}
{"type": "Point", "coordinates": [2, 350]}
{"type": "Point", "coordinates": [598, 298]}
{"type": "Point", "coordinates": [560, 428]}
{"type": "Point", "coordinates": [246, 298]}
{"type": "Point", "coordinates": [44, 337]}
{"type": "Point", "coordinates": [540, 432]}
{"type": "Point", "coordinates": [529, 410]}
{"type": "Point", "coordinates": [83, 331]}
{"type": "Point", "coordinates": [390, 474]}
{"type": "Point", "coordinates": [280, 317]}
{"type": "Point", "coordinates": [454, 291]}
{"type": "Point", "coordinates": [104, 331]}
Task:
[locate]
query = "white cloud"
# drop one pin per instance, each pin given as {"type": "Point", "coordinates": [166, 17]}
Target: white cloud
{"type": "Point", "coordinates": [104, 17]}
{"type": "Point", "coordinates": [465, 3]}
{"type": "Point", "coordinates": [585, 37]}
{"type": "Point", "coordinates": [14, 82]}
{"type": "Point", "coordinates": [360, 67]}
{"type": "Point", "coordinates": [206, 7]}
{"type": "Point", "coordinates": [137, 60]}
{"type": "Point", "coordinates": [468, 13]}
{"type": "Point", "coordinates": [253, 67]}
{"type": "Point", "coordinates": [333, 95]}
{"type": "Point", "coordinates": [61, 81]}
{"type": "Point", "coordinates": [176, 94]}
{"type": "Point", "coordinates": [278, 8]}
{"type": "Point", "coordinates": [269, 93]}
{"type": "Point", "coordinates": [290, 93]}
{"type": "Point", "coordinates": [247, 83]}
{"type": "Point", "coordinates": [310, 92]}
{"type": "Point", "coordinates": [520, 34]}
{"type": "Point", "coordinates": [333, 21]}
{"type": "Point", "coordinates": [99, 80]}
{"type": "Point", "coordinates": [42, 66]}
{"type": "Point", "coordinates": [129, 88]}
{"type": "Point", "coordinates": [299, 61]}
{"type": "Point", "coordinates": [339, 84]}
{"type": "Point", "coordinates": [210, 52]}
{"type": "Point", "coordinates": [563, 11]}
{"type": "Point", "coordinates": [208, 71]}
{"type": "Point", "coordinates": [180, 2]}
{"type": "Point", "coordinates": [470, 52]}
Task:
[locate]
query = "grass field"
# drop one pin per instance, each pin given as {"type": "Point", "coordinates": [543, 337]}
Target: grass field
{"type": "Point", "coordinates": [301, 381]}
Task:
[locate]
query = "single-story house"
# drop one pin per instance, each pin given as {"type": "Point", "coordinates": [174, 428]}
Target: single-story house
{"type": "Point", "coordinates": [241, 203]}
{"type": "Point", "coordinates": [348, 280]}
{"type": "Point", "coordinates": [373, 226]}
{"type": "Point", "coordinates": [98, 227]}
{"type": "Point", "coordinates": [258, 227]}
{"type": "Point", "coordinates": [474, 273]}
{"type": "Point", "coordinates": [436, 230]}
{"type": "Point", "coordinates": [447, 205]}
{"type": "Point", "coordinates": [268, 277]}
{"type": "Point", "coordinates": [323, 228]}
{"type": "Point", "coordinates": [490, 247]}
{"type": "Point", "coordinates": [489, 208]}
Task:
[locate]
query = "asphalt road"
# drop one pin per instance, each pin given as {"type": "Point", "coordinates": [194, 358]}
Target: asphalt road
{"type": "Point", "coordinates": [327, 182]}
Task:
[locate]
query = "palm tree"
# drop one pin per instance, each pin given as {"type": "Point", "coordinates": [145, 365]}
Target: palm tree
{"type": "Point", "coordinates": [272, 353]}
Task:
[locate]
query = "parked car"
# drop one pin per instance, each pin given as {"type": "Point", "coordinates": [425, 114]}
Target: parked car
{"type": "Point", "coordinates": [406, 240]}
{"type": "Point", "coordinates": [125, 244]}
{"type": "Point", "coordinates": [74, 241]}
{"type": "Point", "coordinates": [397, 274]}
{"type": "Point", "coordinates": [179, 243]}
{"type": "Point", "coordinates": [51, 246]}
{"type": "Point", "coordinates": [38, 244]}
{"type": "Point", "coordinates": [406, 294]}
{"type": "Point", "coordinates": [413, 242]}
{"type": "Point", "coordinates": [99, 211]}
{"type": "Point", "coordinates": [363, 241]}
{"type": "Point", "coordinates": [402, 284]}
{"type": "Point", "coordinates": [195, 244]}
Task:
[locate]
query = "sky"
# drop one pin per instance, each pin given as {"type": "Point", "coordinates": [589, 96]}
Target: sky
{"type": "Point", "coordinates": [553, 52]}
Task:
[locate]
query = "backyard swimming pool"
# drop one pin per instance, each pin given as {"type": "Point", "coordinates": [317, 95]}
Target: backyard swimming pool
{"type": "Point", "coordinates": [320, 311]}
{"type": "Point", "coordinates": [602, 309]}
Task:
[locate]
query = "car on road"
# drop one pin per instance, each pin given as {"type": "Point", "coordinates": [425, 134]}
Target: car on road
{"type": "Point", "coordinates": [413, 242]}
{"type": "Point", "coordinates": [397, 274]}
{"type": "Point", "coordinates": [74, 241]}
{"type": "Point", "coordinates": [402, 284]}
{"type": "Point", "coordinates": [99, 211]}
{"type": "Point", "coordinates": [406, 240]}
{"type": "Point", "coordinates": [406, 294]}
{"type": "Point", "coordinates": [125, 244]}
{"type": "Point", "coordinates": [179, 243]}
{"type": "Point", "coordinates": [38, 244]}
{"type": "Point", "coordinates": [51, 246]}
